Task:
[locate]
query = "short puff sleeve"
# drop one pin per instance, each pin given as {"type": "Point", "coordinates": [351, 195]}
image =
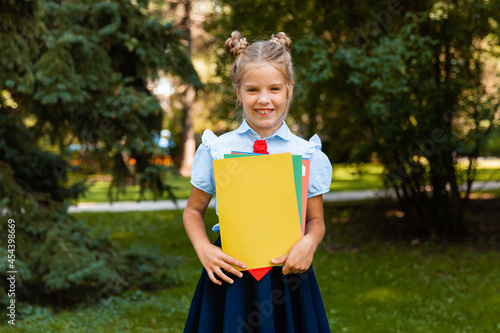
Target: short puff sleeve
{"type": "Point", "coordinates": [320, 173]}
{"type": "Point", "coordinates": [202, 171]}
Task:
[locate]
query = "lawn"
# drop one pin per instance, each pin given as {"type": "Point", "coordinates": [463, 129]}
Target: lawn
{"type": "Point", "coordinates": [346, 177]}
{"type": "Point", "coordinates": [369, 283]}
{"type": "Point", "coordinates": [98, 190]}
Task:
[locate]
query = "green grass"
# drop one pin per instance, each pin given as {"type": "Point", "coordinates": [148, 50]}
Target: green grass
{"type": "Point", "coordinates": [350, 177]}
{"type": "Point", "coordinates": [486, 169]}
{"type": "Point", "coordinates": [367, 285]}
{"type": "Point", "coordinates": [401, 289]}
{"type": "Point", "coordinates": [98, 191]}
{"type": "Point", "coordinates": [346, 177]}
{"type": "Point", "coordinates": [495, 193]}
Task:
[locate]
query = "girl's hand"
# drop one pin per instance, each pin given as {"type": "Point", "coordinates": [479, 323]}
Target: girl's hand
{"type": "Point", "coordinates": [299, 258]}
{"type": "Point", "coordinates": [211, 256]}
{"type": "Point", "coordinates": [215, 261]}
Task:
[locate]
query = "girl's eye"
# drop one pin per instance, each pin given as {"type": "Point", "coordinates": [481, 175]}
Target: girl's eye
{"type": "Point", "coordinates": [252, 90]}
{"type": "Point", "coordinates": [275, 89]}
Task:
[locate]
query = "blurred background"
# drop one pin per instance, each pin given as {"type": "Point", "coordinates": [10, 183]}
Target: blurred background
{"type": "Point", "coordinates": [105, 102]}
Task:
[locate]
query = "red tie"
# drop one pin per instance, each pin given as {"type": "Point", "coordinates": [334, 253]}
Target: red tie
{"type": "Point", "coordinates": [259, 147]}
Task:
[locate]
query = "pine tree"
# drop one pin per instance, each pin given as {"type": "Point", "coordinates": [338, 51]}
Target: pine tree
{"type": "Point", "coordinates": [76, 72]}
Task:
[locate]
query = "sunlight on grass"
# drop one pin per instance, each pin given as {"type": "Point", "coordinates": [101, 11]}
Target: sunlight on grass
{"type": "Point", "coordinates": [98, 191]}
{"type": "Point", "coordinates": [483, 163]}
{"type": "Point", "coordinates": [380, 294]}
{"type": "Point", "coordinates": [348, 177]}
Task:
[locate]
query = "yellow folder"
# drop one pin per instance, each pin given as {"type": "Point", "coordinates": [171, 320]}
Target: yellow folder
{"type": "Point", "coordinates": [257, 206]}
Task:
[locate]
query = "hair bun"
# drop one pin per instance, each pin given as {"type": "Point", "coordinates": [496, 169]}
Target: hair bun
{"type": "Point", "coordinates": [236, 44]}
{"type": "Point", "coordinates": [282, 39]}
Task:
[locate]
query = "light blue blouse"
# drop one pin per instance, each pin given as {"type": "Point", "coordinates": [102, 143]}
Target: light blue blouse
{"type": "Point", "coordinates": [242, 139]}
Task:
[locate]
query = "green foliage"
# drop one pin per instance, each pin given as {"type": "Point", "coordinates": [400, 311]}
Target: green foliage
{"type": "Point", "coordinates": [76, 72]}
{"type": "Point", "coordinates": [148, 270]}
{"type": "Point", "coordinates": [423, 103]}
{"type": "Point", "coordinates": [315, 51]}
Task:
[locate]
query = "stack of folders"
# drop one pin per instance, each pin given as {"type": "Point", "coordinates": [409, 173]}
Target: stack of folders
{"type": "Point", "coordinates": [262, 202]}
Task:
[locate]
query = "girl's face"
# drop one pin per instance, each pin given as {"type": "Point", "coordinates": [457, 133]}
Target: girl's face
{"type": "Point", "coordinates": [264, 96]}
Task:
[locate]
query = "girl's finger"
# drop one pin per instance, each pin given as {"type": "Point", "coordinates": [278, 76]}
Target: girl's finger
{"type": "Point", "coordinates": [280, 260]}
{"type": "Point", "coordinates": [231, 269]}
{"type": "Point", "coordinates": [213, 279]}
{"type": "Point", "coordinates": [232, 261]}
{"type": "Point", "coordinates": [223, 276]}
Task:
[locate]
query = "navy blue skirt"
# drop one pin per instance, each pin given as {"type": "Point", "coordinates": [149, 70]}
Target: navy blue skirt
{"type": "Point", "coordinates": [277, 303]}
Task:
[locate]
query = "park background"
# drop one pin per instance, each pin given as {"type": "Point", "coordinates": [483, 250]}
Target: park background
{"type": "Point", "coordinates": [106, 101]}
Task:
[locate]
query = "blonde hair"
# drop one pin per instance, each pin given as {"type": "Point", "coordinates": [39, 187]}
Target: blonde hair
{"type": "Point", "coordinates": [275, 52]}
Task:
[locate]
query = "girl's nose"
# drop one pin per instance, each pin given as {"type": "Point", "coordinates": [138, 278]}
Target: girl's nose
{"type": "Point", "coordinates": [263, 98]}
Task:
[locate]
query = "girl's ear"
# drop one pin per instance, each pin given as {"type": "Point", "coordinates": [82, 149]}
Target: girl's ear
{"type": "Point", "coordinates": [239, 97]}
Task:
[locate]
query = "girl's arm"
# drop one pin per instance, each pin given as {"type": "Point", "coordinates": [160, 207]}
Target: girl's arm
{"type": "Point", "coordinates": [299, 258]}
{"type": "Point", "coordinates": [211, 256]}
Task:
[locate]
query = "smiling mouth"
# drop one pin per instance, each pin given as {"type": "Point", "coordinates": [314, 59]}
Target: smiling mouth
{"type": "Point", "coordinates": [264, 111]}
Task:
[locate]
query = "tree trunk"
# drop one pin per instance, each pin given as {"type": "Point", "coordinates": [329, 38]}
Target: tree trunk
{"type": "Point", "coordinates": [187, 136]}
{"type": "Point", "coordinates": [187, 98]}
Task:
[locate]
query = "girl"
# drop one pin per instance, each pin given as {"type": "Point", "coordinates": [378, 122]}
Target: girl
{"type": "Point", "coordinates": [286, 299]}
